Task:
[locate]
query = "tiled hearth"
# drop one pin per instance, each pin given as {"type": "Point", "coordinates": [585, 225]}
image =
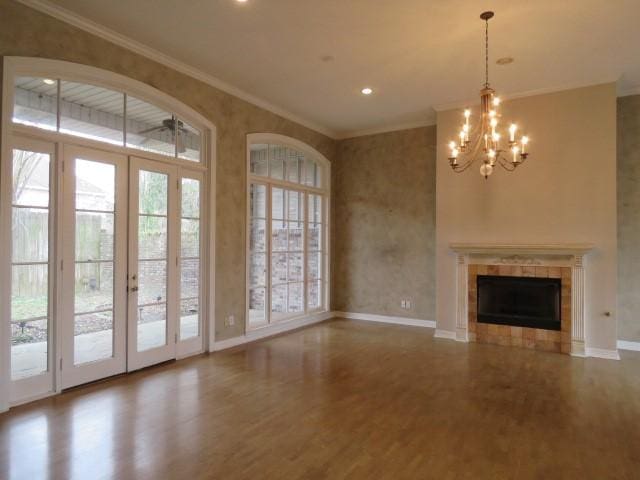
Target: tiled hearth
{"type": "Point", "coordinates": [534, 338]}
{"type": "Point", "coordinates": [542, 261]}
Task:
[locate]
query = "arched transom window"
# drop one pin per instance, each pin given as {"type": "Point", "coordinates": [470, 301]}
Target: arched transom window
{"type": "Point", "coordinates": [287, 272]}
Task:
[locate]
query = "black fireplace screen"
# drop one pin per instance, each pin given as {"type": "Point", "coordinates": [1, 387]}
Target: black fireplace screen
{"type": "Point", "coordinates": [519, 301]}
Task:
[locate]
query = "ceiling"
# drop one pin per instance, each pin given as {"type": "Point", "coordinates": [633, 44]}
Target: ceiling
{"type": "Point", "coordinates": [415, 54]}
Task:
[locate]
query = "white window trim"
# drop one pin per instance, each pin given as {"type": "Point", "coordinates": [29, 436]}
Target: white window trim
{"type": "Point", "coordinates": [325, 190]}
{"type": "Point", "coordinates": [48, 68]}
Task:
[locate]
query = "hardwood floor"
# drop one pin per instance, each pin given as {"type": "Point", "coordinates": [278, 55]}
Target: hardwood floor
{"type": "Point", "coordinates": [343, 399]}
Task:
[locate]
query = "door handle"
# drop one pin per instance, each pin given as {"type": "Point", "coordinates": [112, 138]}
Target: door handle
{"type": "Point", "coordinates": [133, 289]}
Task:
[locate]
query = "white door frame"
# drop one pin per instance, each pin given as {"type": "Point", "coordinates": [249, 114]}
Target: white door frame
{"type": "Point", "coordinates": [56, 69]}
{"type": "Point", "coordinates": [71, 374]}
{"type": "Point", "coordinates": [136, 359]}
{"type": "Point", "coordinates": [193, 345]}
{"type": "Point", "coordinates": [36, 386]}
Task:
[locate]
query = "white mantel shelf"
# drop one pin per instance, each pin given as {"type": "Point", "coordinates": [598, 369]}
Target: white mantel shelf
{"type": "Point", "coordinates": [521, 249]}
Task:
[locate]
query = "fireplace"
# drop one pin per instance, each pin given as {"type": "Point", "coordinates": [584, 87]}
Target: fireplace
{"type": "Point", "coordinates": [519, 301]}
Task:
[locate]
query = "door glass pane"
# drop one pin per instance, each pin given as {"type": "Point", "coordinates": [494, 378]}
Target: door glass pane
{"type": "Point", "coordinates": [94, 267]}
{"type": "Point", "coordinates": [94, 287]}
{"type": "Point", "coordinates": [95, 186]}
{"type": "Point", "coordinates": [152, 326]}
{"type": "Point", "coordinates": [93, 337]}
{"type": "Point", "coordinates": [30, 233]}
{"type": "Point", "coordinates": [30, 269]}
{"type": "Point", "coordinates": [152, 274]}
{"type": "Point", "coordinates": [257, 238]}
{"type": "Point", "coordinates": [29, 291]}
{"type": "Point", "coordinates": [152, 281]}
{"type": "Point", "coordinates": [190, 259]}
{"type": "Point", "coordinates": [94, 236]}
{"type": "Point", "coordinates": [189, 318]}
{"type": "Point", "coordinates": [149, 128]}
{"type": "Point", "coordinates": [36, 102]}
{"type": "Point", "coordinates": [152, 237]}
{"type": "Point", "coordinates": [152, 196]}
{"type": "Point", "coordinates": [189, 142]}
{"type": "Point", "coordinates": [30, 178]}
{"type": "Point", "coordinates": [189, 278]}
{"type": "Point", "coordinates": [190, 204]}
{"type": "Point", "coordinates": [295, 267]}
{"type": "Point", "coordinates": [91, 112]}
{"type": "Point", "coordinates": [190, 238]}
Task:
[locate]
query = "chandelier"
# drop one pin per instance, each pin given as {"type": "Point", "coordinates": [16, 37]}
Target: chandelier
{"type": "Point", "coordinates": [482, 142]}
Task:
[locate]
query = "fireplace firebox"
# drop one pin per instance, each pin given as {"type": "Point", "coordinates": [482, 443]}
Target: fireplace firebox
{"type": "Point", "coordinates": [519, 301]}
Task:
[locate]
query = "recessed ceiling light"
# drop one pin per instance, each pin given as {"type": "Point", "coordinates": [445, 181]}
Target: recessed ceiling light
{"type": "Point", "coordinates": [366, 91]}
{"type": "Point", "coordinates": [48, 81]}
{"type": "Point", "coordinates": [241, 1]}
{"type": "Point", "coordinates": [505, 60]}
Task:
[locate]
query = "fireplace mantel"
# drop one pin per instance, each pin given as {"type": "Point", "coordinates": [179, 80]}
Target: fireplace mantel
{"type": "Point", "coordinates": [569, 254]}
{"type": "Point", "coordinates": [564, 249]}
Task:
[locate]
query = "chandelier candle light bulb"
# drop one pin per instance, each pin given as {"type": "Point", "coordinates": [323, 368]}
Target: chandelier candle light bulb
{"type": "Point", "coordinates": [471, 148]}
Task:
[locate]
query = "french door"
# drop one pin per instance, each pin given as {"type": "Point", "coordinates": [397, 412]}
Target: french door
{"type": "Point", "coordinates": [153, 263]}
{"type": "Point", "coordinates": [93, 327]}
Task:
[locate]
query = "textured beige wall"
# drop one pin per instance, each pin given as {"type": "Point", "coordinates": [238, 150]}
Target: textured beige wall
{"type": "Point", "coordinates": [629, 218]}
{"type": "Point", "coordinates": [384, 225]}
{"type": "Point", "coordinates": [26, 32]}
{"type": "Point", "coordinates": [566, 192]}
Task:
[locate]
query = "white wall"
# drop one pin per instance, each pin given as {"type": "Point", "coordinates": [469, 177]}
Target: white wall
{"type": "Point", "coordinates": [564, 193]}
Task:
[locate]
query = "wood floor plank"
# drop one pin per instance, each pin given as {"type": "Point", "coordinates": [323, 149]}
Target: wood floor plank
{"type": "Point", "coordinates": [341, 400]}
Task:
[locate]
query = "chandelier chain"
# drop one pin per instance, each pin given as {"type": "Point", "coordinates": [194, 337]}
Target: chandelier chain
{"type": "Point", "coordinates": [486, 54]}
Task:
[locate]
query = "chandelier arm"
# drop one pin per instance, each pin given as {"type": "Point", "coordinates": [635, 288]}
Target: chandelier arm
{"type": "Point", "coordinates": [506, 164]}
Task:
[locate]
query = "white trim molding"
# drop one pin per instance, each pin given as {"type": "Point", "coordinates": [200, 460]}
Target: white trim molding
{"type": "Point", "coordinates": [446, 334]}
{"type": "Point", "coordinates": [116, 38]}
{"type": "Point", "coordinates": [605, 353]}
{"type": "Point", "coordinates": [628, 345]}
{"type": "Point", "coordinates": [273, 329]}
{"type": "Point", "coordinates": [369, 317]}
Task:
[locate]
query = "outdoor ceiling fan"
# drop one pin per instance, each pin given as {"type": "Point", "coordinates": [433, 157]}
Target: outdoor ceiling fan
{"type": "Point", "coordinates": [170, 124]}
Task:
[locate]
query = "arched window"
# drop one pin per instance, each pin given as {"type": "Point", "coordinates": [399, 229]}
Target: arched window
{"type": "Point", "coordinates": [104, 204]}
{"type": "Point", "coordinates": [288, 203]}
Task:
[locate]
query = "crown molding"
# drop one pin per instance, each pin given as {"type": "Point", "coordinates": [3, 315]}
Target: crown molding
{"type": "Point", "coordinates": [60, 13]}
{"type": "Point", "coordinates": [527, 93]}
{"type": "Point", "coordinates": [625, 92]}
{"type": "Point", "coordinates": [428, 122]}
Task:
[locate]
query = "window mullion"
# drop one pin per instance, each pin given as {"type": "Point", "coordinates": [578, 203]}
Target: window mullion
{"type": "Point", "coordinates": [268, 253]}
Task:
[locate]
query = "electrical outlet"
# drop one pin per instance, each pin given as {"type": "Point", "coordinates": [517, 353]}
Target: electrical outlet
{"type": "Point", "coordinates": [230, 320]}
{"type": "Point", "coordinates": [403, 304]}
{"type": "Point", "coordinates": [407, 304]}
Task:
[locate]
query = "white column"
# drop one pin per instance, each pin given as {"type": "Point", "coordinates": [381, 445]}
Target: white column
{"type": "Point", "coordinates": [577, 307]}
{"type": "Point", "coordinates": [462, 313]}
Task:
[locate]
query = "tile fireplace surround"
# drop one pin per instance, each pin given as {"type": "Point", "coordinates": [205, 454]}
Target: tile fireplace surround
{"type": "Point", "coordinates": [545, 261]}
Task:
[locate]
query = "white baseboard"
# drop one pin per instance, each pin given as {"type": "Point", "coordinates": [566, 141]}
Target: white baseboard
{"type": "Point", "coordinates": [602, 353]}
{"type": "Point", "coordinates": [445, 334]}
{"type": "Point", "coordinates": [628, 345]}
{"type": "Point", "coordinates": [273, 329]}
{"type": "Point", "coordinates": [370, 317]}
